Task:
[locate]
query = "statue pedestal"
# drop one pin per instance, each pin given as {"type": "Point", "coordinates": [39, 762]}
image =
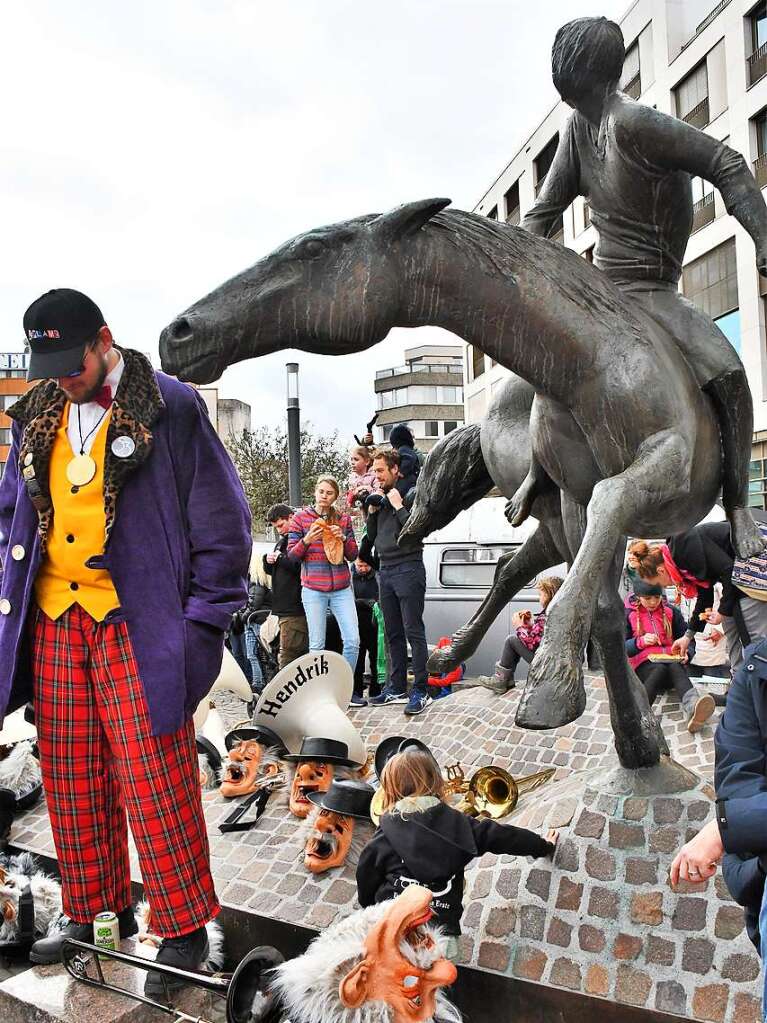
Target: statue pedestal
{"type": "Point", "coordinates": [603, 919]}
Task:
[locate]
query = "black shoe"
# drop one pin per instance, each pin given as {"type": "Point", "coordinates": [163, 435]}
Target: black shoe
{"type": "Point", "coordinates": [188, 952]}
{"type": "Point", "coordinates": [48, 950]}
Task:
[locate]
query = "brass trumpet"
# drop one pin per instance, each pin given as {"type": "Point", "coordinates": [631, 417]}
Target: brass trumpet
{"type": "Point", "coordinates": [248, 1000]}
{"type": "Point", "coordinates": [492, 791]}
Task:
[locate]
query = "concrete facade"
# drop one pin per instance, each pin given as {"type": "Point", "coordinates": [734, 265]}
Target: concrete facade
{"type": "Point", "coordinates": [426, 394]}
{"type": "Point", "coordinates": [705, 62]}
{"type": "Point", "coordinates": [13, 383]}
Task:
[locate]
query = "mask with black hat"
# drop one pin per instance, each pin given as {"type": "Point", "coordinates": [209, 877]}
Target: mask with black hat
{"type": "Point", "coordinates": [209, 762]}
{"type": "Point", "coordinates": [340, 825]}
{"type": "Point", "coordinates": [254, 755]}
{"type": "Point", "coordinates": [315, 769]}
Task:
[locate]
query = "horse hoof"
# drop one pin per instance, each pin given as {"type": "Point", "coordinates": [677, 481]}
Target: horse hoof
{"type": "Point", "coordinates": [746, 537]}
{"type": "Point", "coordinates": [554, 694]}
{"type": "Point", "coordinates": [442, 660]}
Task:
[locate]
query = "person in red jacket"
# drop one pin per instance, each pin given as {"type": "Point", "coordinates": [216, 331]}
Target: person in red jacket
{"type": "Point", "coordinates": [442, 685]}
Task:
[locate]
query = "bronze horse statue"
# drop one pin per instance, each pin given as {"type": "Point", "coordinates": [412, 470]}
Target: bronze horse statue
{"type": "Point", "coordinates": [618, 421]}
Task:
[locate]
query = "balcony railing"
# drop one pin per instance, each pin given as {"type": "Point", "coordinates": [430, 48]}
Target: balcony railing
{"type": "Point", "coordinates": [634, 87]}
{"type": "Point", "coordinates": [760, 170]}
{"type": "Point", "coordinates": [757, 65]}
{"type": "Point", "coordinates": [513, 217]}
{"type": "Point", "coordinates": [703, 212]}
{"type": "Point", "coordinates": [420, 367]}
{"type": "Point", "coordinates": [698, 117]}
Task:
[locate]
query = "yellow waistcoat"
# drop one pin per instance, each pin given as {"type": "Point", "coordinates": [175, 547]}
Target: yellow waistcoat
{"type": "Point", "coordinates": [76, 534]}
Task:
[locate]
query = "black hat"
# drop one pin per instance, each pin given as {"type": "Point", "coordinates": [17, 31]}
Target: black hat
{"type": "Point", "coordinates": [58, 327]}
{"type": "Point", "coordinates": [644, 589]}
{"type": "Point", "coordinates": [397, 744]}
{"type": "Point", "coordinates": [206, 749]}
{"type": "Point", "coordinates": [348, 798]}
{"type": "Point", "coordinates": [261, 734]}
{"type": "Point", "coordinates": [324, 751]}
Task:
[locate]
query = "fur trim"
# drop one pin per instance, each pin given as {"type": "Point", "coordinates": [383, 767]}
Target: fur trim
{"type": "Point", "coordinates": [415, 804]}
{"type": "Point", "coordinates": [20, 770]}
{"type": "Point", "coordinates": [308, 986]}
{"type": "Point", "coordinates": [137, 405]}
{"type": "Point", "coordinates": [216, 952]}
{"type": "Point", "coordinates": [16, 873]}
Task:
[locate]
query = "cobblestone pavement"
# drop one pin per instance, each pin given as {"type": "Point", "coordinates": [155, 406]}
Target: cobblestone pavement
{"type": "Point", "coordinates": [601, 919]}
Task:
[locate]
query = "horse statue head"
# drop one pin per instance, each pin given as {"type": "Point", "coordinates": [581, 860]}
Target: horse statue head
{"type": "Point", "coordinates": [333, 290]}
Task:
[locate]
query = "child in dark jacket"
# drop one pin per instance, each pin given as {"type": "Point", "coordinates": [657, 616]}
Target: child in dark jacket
{"type": "Point", "coordinates": [422, 840]}
{"type": "Point", "coordinates": [365, 583]}
{"type": "Point", "coordinates": [652, 628]}
{"type": "Point", "coordinates": [402, 440]}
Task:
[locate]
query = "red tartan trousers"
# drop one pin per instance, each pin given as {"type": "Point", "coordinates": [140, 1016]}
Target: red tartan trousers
{"type": "Point", "coordinates": [99, 759]}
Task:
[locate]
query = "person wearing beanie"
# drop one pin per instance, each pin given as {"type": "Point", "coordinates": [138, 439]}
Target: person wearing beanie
{"type": "Point", "coordinates": [652, 625]}
{"type": "Point", "coordinates": [125, 542]}
{"type": "Point", "coordinates": [402, 441]}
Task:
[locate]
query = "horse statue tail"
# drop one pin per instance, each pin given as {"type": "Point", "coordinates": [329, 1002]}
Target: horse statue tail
{"type": "Point", "coordinates": [453, 477]}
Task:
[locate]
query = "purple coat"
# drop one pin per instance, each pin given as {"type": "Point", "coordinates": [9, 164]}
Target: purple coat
{"type": "Point", "coordinates": [177, 537]}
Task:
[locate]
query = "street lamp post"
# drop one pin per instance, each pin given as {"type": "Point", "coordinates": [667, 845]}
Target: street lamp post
{"type": "Point", "coordinates": [294, 436]}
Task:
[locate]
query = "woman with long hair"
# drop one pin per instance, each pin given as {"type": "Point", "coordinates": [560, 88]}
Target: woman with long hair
{"type": "Point", "coordinates": [323, 541]}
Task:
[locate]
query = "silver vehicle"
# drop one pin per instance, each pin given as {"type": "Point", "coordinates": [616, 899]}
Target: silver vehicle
{"type": "Point", "coordinates": [460, 563]}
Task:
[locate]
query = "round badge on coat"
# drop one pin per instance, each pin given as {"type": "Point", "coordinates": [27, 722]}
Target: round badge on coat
{"type": "Point", "coordinates": [123, 447]}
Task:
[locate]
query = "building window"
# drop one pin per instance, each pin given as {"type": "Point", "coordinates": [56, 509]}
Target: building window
{"type": "Point", "coordinates": [5, 436]}
{"type": "Point", "coordinates": [757, 477]}
{"type": "Point", "coordinates": [631, 79]}
{"type": "Point", "coordinates": [432, 428]}
{"type": "Point", "coordinates": [477, 362]}
{"type": "Point", "coordinates": [702, 203]}
{"type": "Point", "coordinates": [691, 97]}
{"type": "Point", "coordinates": [493, 214]}
{"type": "Point", "coordinates": [711, 282]}
{"type": "Point", "coordinates": [511, 198]}
{"type": "Point", "coordinates": [450, 425]}
{"type": "Point", "coordinates": [760, 163]}
{"type": "Point", "coordinates": [544, 161]}
{"type": "Point", "coordinates": [757, 59]}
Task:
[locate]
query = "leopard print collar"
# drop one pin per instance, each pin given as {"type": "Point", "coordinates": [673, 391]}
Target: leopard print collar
{"type": "Point", "coordinates": [137, 405]}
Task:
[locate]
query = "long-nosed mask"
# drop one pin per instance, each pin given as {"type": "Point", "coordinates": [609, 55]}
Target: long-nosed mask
{"type": "Point", "coordinates": [402, 966]}
{"type": "Point", "coordinates": [310, 776]}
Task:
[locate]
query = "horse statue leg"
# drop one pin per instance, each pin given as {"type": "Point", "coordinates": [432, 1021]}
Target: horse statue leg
{"type": "Point", "coordinates": [554, 693]}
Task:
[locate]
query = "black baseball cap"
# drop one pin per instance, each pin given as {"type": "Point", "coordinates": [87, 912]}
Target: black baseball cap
{"type": "Point", "coordinates": [58, 327]}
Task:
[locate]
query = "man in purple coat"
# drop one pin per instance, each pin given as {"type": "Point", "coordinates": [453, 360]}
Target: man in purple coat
{"type": "Point", "coordinates": [124, 542]}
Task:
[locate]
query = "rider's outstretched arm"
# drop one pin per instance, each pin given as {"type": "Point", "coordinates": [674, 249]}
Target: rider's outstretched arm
{"type": "Point", "coordinates": [663, 141]}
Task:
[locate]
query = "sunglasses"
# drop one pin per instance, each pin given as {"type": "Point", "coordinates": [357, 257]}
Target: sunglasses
{"type": "Point", "coordinates": [81, 370]}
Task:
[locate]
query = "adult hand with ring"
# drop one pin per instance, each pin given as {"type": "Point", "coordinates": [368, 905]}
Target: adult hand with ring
{"type": "Point", "coordinates": [697, 859]}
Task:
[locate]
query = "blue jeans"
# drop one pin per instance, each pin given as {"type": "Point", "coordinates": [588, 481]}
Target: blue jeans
{"type": "Point", "coordinates": [341, 604]}
{"type": "Point", "coordinates": [251, 646]}
{"type": "Point", "coordinates": [240, 653]}
{"type": "Point", "coordinates": [402, 594]}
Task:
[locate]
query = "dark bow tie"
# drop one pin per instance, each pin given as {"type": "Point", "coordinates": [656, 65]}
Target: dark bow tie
{"type": "Point", "coordinates": [104, 397]}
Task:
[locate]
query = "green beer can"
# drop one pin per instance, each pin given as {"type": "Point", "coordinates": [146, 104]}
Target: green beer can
{"type": "Point", "coordinates": [106, 931]}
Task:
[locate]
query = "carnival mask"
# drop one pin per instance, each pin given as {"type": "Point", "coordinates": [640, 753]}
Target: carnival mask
{"type": "Point", "coordinates": [329, 843]}
{"type": "Point", "coordinates": [403, 966]}
{"type": "Point", "coordinates": [310, 776]}
{"type": "Point", "coordinates": [242, 769]}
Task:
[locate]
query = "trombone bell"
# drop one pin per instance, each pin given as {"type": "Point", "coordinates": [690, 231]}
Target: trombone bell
{"type": "Point", "coordinates": [248, 999]}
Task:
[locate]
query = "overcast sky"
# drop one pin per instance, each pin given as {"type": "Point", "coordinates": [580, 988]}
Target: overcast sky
{"type": "Point", "coordinates": [151, 150]}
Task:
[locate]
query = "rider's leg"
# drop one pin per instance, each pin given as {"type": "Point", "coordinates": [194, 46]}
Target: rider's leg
{"type": "Point", "coordinates": [720, 373]}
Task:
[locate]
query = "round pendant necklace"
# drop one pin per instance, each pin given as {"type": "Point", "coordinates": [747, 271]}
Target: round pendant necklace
{"type": "Point", "coordinates": [82, 468]}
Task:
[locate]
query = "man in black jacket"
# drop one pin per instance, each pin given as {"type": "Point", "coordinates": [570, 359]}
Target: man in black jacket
{"type": "Point", "coordinates": [401, 588]}
{"type": "Point", "coordinates": [286, 589]}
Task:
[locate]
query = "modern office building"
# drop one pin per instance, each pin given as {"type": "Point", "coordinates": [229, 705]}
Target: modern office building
{"type": "Point", "coordinates": [13, 383]}
{"type": "Point", "coordinates": [426, 394]}
{"type": "Point", "coordinates": [705, 63]}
